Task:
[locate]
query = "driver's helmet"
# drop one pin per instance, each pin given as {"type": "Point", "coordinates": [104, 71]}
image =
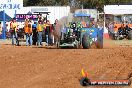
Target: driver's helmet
{"type": "Point", "coordinates": [72, 25]}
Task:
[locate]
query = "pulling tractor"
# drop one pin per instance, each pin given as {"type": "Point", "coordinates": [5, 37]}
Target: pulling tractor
{"type": "Point", "coordinates": [76, 35]}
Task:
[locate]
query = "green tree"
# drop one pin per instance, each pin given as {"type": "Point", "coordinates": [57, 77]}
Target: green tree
{"type": "Point", "coordinates": [91, 4]}
{"type": "Point", "coordinates": [39, 2]}
{"type": "Point", "coordinates": [25, 2]}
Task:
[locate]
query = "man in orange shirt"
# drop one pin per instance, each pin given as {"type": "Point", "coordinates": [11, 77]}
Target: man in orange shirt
{"type": "Point", "coordinates": [39, 35]}
{"type": "Point", "coordinates": [28, 32]}
{"type": "Point", "coordinates": [26, 29]}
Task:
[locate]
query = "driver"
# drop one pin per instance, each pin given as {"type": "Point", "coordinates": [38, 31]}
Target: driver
{"type": "Point", "coordinates": [84, 23]}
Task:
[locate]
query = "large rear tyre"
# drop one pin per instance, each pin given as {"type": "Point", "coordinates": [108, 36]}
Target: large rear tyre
{"type": "Point", "coordinates": [130, 35]}
{"type": "Point", "coordinates": [86, 41]}
{"type": "Point", "coordinates": [99, 42]}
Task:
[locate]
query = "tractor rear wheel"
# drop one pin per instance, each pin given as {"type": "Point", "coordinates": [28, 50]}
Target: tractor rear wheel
{"type": "Point", "coordinates": [130, 35]}
{"type": "Point", "coordinates": [86, 41]}
{"type": "Point", "coordinates": [99, 42]}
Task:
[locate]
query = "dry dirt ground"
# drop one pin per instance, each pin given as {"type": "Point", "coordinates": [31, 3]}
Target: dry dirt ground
{"type": "Point", "coordinates": [33, 67]}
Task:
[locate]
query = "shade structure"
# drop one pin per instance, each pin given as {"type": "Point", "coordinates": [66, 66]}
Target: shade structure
{"type": "Point", "coordinates": [7, 17]}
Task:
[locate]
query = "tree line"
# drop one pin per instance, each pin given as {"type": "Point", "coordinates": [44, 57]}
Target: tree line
{"type": "Point", "coordinates": [91, 4]}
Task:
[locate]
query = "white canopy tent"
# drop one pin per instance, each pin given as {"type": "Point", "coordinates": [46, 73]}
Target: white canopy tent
{"type": "Point", "coordinates": [118, 9]}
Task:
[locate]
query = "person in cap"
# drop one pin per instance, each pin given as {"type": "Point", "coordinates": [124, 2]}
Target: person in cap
{"type": "Point", "coordinates": [39, 33]}
{"type": "Point", "coordinates": [28, 32]}
{"type": "Point", "coordinates": [13, 31]}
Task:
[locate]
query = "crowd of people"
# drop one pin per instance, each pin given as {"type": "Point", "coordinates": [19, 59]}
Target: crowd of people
{"type": "Point", "coordinates": [36, 32]}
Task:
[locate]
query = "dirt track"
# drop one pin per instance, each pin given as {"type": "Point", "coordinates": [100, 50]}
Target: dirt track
{"type": "Point", "coordinates": [32, 67]}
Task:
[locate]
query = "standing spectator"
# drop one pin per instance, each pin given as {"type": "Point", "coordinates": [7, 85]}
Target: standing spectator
{"type": "Point", "coordinates": [21, 30]}
{"type": "Point", "coordinates": [13, 30]}
{"type": "Point", "coordinates": [34, 28]}
{"type": "Point", "coordinates": [55, 24]}
{"type": "Point", "coordinates": [7, 31]}
{"type": "Point", "coordinates": [56, 31]}
{"type": "Point", "coordinates": [39, 35]}
{"type": "Point", "coordinates": [48, 32]}
{"type": "Point", "coordinates": [93, 23]}
{"type": "Point", "coordinates": [0, 29]}
{"type": "Point", "coordinates": [28, 32]}
{"type": "Point", "coordinates": [44, 30]}
{"type": "Point", "coordinates": [26, 29]}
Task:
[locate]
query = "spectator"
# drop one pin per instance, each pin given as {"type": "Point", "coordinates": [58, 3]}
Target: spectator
{"type": "Point", "coordinates": [39, 33]}
{"type": "Point", "coordinates": [34, 28]}
{"type": "Point", "coordinates": [13, 30]}
{"type": "Point", "coordinates": [48, 33]}
{"type": "Point", "coordinates": [26, 29]}
{"type": "Point", "coordinates": [30, 32]}
{"type": "Point", "coordinates": [0, 29]}
{"type": "Point", "coordinates": [56, 31]}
